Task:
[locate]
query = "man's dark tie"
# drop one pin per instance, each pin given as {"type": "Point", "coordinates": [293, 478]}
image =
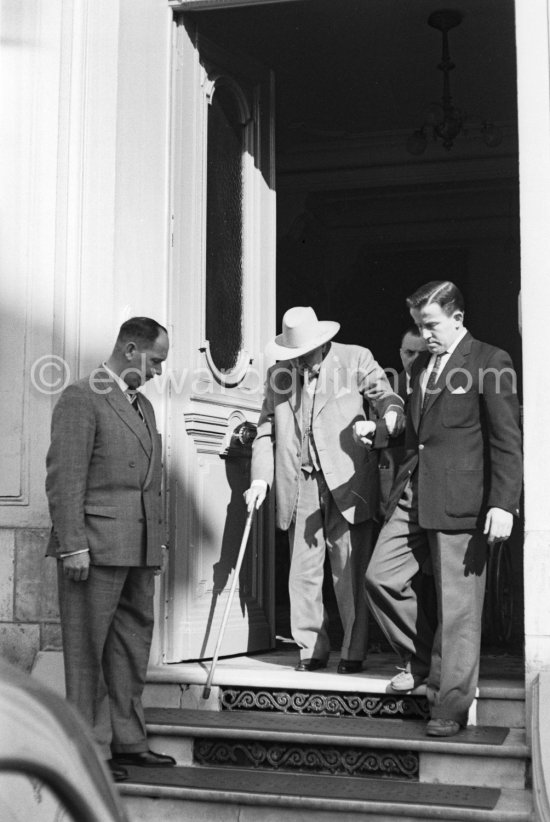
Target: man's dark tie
{"type": "Point", "coordinates": [134, 402]}
{"type": "Point", "coordinates": [432, 379]}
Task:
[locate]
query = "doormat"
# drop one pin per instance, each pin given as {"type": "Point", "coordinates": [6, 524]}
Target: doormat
{"type": "Point", "coordinates": [335, 792]}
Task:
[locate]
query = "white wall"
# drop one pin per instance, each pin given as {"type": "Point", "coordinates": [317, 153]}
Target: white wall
{"type": "Point", "coordinates": [29, 85]}
{"type": "Point", "coordinates": [84, 229]}
{"type": "Point", "coordinates": [84, 233]}
{"type": "Point", "coordinates": [534, 132]}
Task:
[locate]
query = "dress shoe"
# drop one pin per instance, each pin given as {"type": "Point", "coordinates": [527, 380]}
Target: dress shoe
{"type": "Point", "coordinates": [442, 727]}
{"type": "Point", "coordinates": [406, 681]}
{"type": "Point", "coordinates": [144, 759]}
{"type": "Point", "coordinates": [312, 664]}
{"type": "Point", "coordinates": [350, 666]}
{"type": "Point", "coordinates": [118, 773]}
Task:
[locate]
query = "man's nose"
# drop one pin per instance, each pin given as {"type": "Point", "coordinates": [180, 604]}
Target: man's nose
{"type": "Point", "coordinates": [426, 333]}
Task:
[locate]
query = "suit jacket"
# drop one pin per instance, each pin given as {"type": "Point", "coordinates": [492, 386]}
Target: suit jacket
{"type": "Point", "coordinates": [350, 470]}
{"type": "Point", "coordinates": [466, 444]}
{"type": "Point", "coordinates": [104, 475]}
{"type": "Point", "coordinates": [391, 455]}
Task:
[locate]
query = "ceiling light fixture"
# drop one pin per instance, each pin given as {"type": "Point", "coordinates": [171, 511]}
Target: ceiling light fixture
{"type": "Point", "coordinates": [444, 121]}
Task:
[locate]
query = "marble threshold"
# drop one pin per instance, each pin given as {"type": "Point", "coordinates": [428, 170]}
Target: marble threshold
{"type": "Point", "coordinates": [501, 676]}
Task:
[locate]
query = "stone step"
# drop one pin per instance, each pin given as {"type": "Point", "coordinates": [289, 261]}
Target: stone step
{"type": "Point", "coordinates": [498, 702]}
{"type": "Point", "coordinates": [230, 795]}
{"type": "Point", "coordinates": [391, 748]}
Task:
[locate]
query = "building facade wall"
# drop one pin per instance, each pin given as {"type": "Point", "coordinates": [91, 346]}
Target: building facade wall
{"type": "Point", "coordinates": [84, 246]}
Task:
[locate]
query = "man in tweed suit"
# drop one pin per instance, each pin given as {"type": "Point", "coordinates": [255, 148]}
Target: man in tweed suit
{"type": "Point", "coordinates": [104, 492]}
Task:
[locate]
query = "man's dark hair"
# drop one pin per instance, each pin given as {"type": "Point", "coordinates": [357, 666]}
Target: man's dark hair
{"type": "Point", "coordinates": [140, 329]}
{"type": "Point", "coordinates": [443, 292]}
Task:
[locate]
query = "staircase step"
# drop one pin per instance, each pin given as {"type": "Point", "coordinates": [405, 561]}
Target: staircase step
{"type": "Point", "coordinates": [268, 683]}
{"type": "Point", "coordinates": [215, 794]}
{"type": "Point", "coordinates": [500, 703]}
{"type": "Point", "coordinates": [481, 756]}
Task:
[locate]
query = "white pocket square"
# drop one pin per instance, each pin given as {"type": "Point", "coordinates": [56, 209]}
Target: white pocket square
{"type": "Point", "coordinates": [459, 390]}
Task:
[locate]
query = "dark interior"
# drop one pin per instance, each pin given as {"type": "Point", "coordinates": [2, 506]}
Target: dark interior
{"type": "Point", "coordinates": [361, 221]}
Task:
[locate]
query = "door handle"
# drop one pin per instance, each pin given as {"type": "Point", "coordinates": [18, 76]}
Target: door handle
{"type": "Point", "coordinates": [238, 443]}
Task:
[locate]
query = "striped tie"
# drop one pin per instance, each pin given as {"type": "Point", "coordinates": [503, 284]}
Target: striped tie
{"type": "Point", "coordinates": [432, 379]}
{"type": "Point", "coordinates": [134, 402]}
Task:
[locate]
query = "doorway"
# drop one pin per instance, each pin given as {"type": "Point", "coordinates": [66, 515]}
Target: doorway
{"type": "Point", "coordinates": [360, 221]}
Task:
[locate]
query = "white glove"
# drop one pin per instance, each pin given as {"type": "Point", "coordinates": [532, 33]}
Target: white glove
{"type": "Point", "coordinates": [498, 525]}
{"type": "Point", "coordinates": [255, 495]}
{"type": "Point", "coordinates": [363, 432]}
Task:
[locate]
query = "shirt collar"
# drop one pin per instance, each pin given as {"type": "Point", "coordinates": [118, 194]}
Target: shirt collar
{"type": "Point", "coordinates": [124, 387]}
{"type": "Point", "coordinates": [453, 345]}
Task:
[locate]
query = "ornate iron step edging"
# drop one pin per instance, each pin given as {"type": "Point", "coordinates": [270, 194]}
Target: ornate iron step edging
{"type": "Point", "coordinates": [327, 703]}
{"type": "Point", "coordinates": [305, 758]}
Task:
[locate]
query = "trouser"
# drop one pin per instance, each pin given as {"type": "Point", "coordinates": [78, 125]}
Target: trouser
{"type": "Point", "coordinates": [450, 656]}
{"type": "Point", "coordinates": [107, 628]}
{"type": "Point", "coordinates": [318, 527]}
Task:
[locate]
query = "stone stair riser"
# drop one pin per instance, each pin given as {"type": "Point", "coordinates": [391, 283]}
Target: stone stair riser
{"type": "Point", "coordinates": [506, 713]}
{"type": "Point", "coordinates": [173, 695]}
{"type": "Point", "coordinates": [459, 769]}
{"type": "Point", "coordinates": [480, 771]}
{"type": "Point", "coordinates": [169, 809]}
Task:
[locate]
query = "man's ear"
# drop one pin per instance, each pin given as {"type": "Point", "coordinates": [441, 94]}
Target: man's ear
{"type": "Point", "coordinates": [459, 317]}
{"type": "Point", "coordinates": [129, 350]}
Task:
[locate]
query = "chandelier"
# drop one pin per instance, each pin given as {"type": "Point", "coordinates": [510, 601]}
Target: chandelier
{"type": "Point", "coordinates": [444, 121]}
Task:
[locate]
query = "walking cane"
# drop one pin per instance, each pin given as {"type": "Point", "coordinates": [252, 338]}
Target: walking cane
{"type": "Point", "coordinates": [242, 549]}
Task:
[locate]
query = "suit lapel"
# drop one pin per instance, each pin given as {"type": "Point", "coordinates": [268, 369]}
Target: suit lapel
{"type": "Point", "coordinates": [325, 381]}
{"type": "Point", "coordinates": [289, 385]}
{"type": "Point", "coordinates": [122, 407]}
{"type": "Point", "coordinates": [154, 441]}
{"type": "Point", "coordinates": [456, 360]}
{"type": "Point", "coordinates": [416, 397]}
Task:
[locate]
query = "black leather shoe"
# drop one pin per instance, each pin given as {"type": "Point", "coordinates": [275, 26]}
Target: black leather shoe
{"type": "Point", "coordinates": [118, 773]}
{"type": "Point", "coordinates": [145, 759]}
{"type": "Point", "coordinates": [312, 664]}
{"type": "Point", "coordinates": [350, 666]}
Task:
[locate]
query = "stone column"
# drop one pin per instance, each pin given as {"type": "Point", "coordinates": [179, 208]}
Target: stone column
{"type": "Point", "coordinates": [533, 56]}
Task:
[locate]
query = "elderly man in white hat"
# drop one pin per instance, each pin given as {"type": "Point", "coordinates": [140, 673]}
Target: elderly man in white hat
{"type": "Point", "coordinates": [314, 439]}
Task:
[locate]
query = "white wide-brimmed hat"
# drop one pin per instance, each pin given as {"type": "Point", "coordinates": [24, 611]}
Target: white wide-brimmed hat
{"type": "Point", "coordinates": [302, 332]}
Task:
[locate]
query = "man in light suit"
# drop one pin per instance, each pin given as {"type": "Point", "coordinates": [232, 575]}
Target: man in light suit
{"type": "Point", "coordinates": [456, 491]}
{"type": "Point", "coordinates": [104, 492]}
{"type": "Point", "coordinates": [326, 485]}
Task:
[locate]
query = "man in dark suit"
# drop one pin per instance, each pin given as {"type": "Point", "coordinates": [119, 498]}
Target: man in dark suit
{"type": "Point", "coordinates": [104, 492]}
{"type": "Point", "coordinates": [412, 343]}
{"type": "Point", "coordinates": [457, 489]}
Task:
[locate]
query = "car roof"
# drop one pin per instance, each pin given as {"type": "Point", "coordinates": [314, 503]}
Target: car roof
{"type": "Point", "coordinates": [43, 737]}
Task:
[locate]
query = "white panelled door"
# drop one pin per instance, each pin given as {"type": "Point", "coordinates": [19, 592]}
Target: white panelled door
{"type": "Point", "coordinates": [222, 309]}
